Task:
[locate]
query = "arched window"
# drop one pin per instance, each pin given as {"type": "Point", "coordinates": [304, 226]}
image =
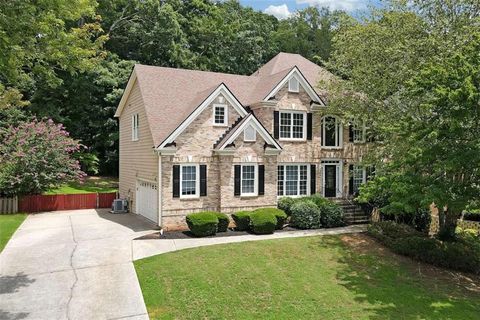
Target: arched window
{"type": "Point", "coordinates": [331, 132]}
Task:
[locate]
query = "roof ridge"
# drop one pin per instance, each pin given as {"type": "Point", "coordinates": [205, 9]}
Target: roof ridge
{"type": "Point", "coordinates": [193, 70]}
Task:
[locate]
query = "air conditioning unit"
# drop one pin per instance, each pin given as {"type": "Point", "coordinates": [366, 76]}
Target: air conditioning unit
{"type": "Point", "coordinates": [119, 206]}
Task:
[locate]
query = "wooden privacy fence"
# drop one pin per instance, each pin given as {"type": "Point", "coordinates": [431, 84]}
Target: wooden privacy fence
{"type": "Point", "coordinates": [8, 205]}
{"type": "Point", "coordinates": [38, 203]}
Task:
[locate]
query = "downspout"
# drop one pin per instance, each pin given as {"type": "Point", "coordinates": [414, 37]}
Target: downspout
{"type": "Point", "coordinates": [159, 189]}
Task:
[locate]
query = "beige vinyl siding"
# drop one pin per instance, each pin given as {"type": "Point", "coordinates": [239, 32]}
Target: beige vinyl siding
{"type": "Point", "coordinates": [137, 158]}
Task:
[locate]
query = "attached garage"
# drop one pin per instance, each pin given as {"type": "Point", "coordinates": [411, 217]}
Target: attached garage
{"type": "Point", "coordinates": [147, 200]}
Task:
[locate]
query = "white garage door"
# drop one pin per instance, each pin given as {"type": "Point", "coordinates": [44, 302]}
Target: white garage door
{"type": "Point", "coordinates": [147, 200]}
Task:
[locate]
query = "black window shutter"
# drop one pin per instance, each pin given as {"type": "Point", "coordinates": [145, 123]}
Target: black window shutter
{"type": "Point", "coordinates": [237, 180]}
{"type": "Point", "coordinates": [313, 179]}
{"type": "Point", "coordinates": [276, 125]}
{"type": "Point", "coordinates": [350, 133]}
{"type": "Point", "coordinates": [309, 126]}
{"type": "Point", "coordinates": [176, 181]}
{"type": "Point", "coordinates": [203, 180]}
{"type": "Point", "coordinates": [350, 183]}
{"type": "Point", "coordinates": [261, 180]}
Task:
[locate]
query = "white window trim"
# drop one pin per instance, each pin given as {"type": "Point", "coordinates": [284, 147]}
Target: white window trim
{"type": "Point", "coordinates": [364, 174]}
{"type": "Point", "coordinates": [298, 195]}
{"type": "Point", "coordinates": [292, 89]}
{"type": "Point", "coordinates": [304, 138]}
{"type": "Point", "coordinates": [225, 115]}
{"type": "Point", "coordinates": [135, 126]}
{"type": "Point", "coordinates": [254, 134]}
{"type": "Point", "coordinates": [339, 175]}
{"type": "Point", "coordinates": [255, 182]}
{"type": "Point", "coordinates": [338, 137]}
{"type": "Point", "coordinates": [364, 132]}
{"type": "Point", "coordinates": [197, 181]}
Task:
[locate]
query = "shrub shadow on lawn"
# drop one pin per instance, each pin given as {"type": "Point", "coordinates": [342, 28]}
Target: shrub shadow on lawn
{"type": "Point", "coordinates": [393, 287]}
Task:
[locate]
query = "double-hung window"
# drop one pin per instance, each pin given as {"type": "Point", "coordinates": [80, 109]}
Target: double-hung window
{"type": "Point", "coordinates": [359, 177]}
{"type": "Point", "coordinates": [358, 131]}
{"type": "Point", "coordinates": [292, 180]}
{"type": "Point", "coordinates": [189, 181]}
{"type": "Point", "coordinates": [135, 127]}
{"type": "Point", "coordinates": [292, 125]}
{"type": "Point", "coordinates": [248, 184]}
{"type": "Point", "coordinates": [220, 115]}
{"type": "Point", "coordinates": [331, 132]}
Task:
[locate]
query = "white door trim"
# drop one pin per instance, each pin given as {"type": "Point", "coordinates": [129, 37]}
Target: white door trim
{"type": "Point", "coordinates": [339, 175]}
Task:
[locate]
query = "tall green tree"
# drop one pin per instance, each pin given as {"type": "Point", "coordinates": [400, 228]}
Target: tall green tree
{"type": "Point", "coordinates": [413, 75]}
{"type": "Point", "coordinates": [309, 32]}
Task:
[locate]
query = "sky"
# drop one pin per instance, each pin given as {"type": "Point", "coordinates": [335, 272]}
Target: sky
{"type": "Point", "coordinates": [284, 8]}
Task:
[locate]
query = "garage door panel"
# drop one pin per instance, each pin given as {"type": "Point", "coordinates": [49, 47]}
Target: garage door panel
{"type": "Point", "coordinates": [147, 200]}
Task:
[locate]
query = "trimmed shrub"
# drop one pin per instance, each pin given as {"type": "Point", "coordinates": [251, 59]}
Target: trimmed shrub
{"type": "Point", "coordinates": [285, 204]}
{"type": "Point", "coordinates": [280, 215]}
{"type": "Point", "coordinates": [202, 224]}
{"type": "Point", "coordinates": [331, 215]}
{"type": "Point", "coordinates": [242, 220]}
{"type": "Point", "coordinates": [462, 255]}
{"type": "Point", "coordinates": [262, 222]}
{"type": "Point", "coordinates": [223, 222]}
{"type": "Point", "coordinates": [305, 215]}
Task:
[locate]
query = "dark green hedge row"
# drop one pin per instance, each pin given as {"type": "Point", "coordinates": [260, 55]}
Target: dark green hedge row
{"type": "Point", "coordinates": [260, 221]}
{"type": "Point", "coordinates": [312, 212]}
{"type": "Point", "coordinates": [462, 254]}
{"type": "Point", "coordinates": [207, 223]}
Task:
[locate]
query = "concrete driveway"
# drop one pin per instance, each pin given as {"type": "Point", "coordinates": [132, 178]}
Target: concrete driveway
{"type": "Point", "coordinates": [72, 265]}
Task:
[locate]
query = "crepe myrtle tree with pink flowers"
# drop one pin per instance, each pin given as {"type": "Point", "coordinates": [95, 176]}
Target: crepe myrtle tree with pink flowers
{"type": "Point", "coordinates": [36, 156]}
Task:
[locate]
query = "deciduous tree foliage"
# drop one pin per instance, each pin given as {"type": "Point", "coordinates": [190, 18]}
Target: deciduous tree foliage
{"type": "Point", "coordinates": [36, 156]}
{"type": "Point", "coordinates": [415, 72]}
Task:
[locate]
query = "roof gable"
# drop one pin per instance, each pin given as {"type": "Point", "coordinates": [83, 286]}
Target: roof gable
{"type": "Point", "coordinates": [220, 90]}
{"type": "Point", "coordinates": [295, 73]}
{"type": "Point", "coordinates": [249, 120]}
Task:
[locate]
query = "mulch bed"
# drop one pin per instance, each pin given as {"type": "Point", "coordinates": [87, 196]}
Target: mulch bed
{"type": "Point", "coordinates": [169, 235]}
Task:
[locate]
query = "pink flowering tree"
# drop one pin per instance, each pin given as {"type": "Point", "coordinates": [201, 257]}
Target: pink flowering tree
{"type": "Point", "coordinates": [36, 156]}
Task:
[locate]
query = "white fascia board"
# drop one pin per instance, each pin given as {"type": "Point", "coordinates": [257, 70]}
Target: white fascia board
{"type": "Point", "coordinates": [258, 127]}
{"type": "Point", "coordinates": [221, 89]}
{"type": "Point", "coordinates": [126, 93]}
{"type": "Point", "coordinates": [295, 72]}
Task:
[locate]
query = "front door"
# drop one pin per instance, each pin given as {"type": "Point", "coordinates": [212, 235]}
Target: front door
{"type": "Point", "coordinates": [330, 186]}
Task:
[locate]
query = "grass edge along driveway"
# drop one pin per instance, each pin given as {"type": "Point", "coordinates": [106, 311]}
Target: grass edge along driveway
{"type": "Point", "coordinates": [325, 277]}
{"type": "Point", "coordinates": [9, 223]}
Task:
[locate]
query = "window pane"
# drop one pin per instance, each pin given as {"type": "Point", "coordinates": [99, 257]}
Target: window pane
{"type": "Point", "coordinates": [291, 180]}
{"type": "Point", "coordinates": [330, 132]}
{"type": "Point", "coordinates": [280, 181]}
{"type": "Point", "coordinates": [189, 178]}
{"type": "Point", "coordinates": [248, 179]}
{"type": "Point", "coordinates": [298, 125]}
{"type": "Point", "coordinates": [303, 180]}
{"type": "Point", "coordinates": [357, 178]}
{"type": "Point", "coordinates": [357, 133]}
{"type": "Point", "coordinates": [285, 125]}
{"type": "Point", "coordinates": [220, 115]}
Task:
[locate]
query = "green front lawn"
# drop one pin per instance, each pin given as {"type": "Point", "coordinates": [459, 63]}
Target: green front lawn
{"type": "Point", "coordinates": [8, 224]}
{"type": "Point", "coordinates": [91, 185]}
{"type": "Point", "coordinates": [303, 278]}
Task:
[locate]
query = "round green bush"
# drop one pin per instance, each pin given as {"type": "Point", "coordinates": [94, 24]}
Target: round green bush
{"type": "Point", "coordinates": [263, 222]}
{"type": "Point", "coordinates": [223, 222]}
{"type": "Point", "coordinates": [202, 224]}
{"type": "Point", "coordinates": [285, 204]}
{"type": "Point", "coordinates": [331, 215]}
{"type": "Point", "coordinates": [242, 220]}
{"type": "Point", "coordinates": [306, 215]}
{"type": "Point", "coordinates": [280, 215]}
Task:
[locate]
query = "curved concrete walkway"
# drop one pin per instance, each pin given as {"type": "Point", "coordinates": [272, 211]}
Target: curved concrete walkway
{"type": "Point", "coordinates": [72, 265]}
{"type": "Point", "coordinates": [147, 248]}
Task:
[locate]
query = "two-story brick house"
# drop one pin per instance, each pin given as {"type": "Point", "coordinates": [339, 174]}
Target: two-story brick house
{"type": "Point", "coordinates": [195, 140]}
